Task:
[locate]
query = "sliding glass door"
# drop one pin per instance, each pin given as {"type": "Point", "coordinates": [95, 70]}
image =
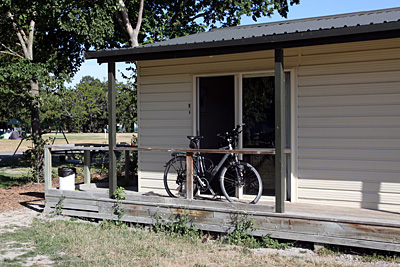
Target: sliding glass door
{"type": "Point", "coordinates": [258, 113]}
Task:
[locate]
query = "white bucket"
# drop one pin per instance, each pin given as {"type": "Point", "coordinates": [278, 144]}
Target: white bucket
{"type": "Point", "coordinates": [67, 182]}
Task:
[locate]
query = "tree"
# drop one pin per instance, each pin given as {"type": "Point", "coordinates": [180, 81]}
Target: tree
{"type": "Point", "coordinates": [126, 104]}
{"type": "Point", "coordinates": [42, 41]}
{"type": "Point", "coordinates": [89, 108]}
{"type": "Point", "coordinates": [159, 20]}
{"type": "Point", "coordinates": [84, 106]}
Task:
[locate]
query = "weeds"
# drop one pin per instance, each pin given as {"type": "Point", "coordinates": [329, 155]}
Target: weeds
{"type": "Point", "coordinates": [102, 157]}
{"type": "Point", "coordinates": [180, 225]}
{"type": "Point", "coordinates": [242, 236]}
{"type": "Point", "coordinates": [119, 195]}
{"type": "Point", "coordinates": [374, 257]}
{"type": "Point", "coordinates": [59, 206]}
{"type": "Point", "coordinates": [241, 233]}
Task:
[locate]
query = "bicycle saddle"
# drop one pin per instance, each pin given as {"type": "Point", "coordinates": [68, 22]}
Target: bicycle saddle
{"type": "Point", "coordinates": [193, 141]}
{"type": "Point", "coordinates": [195, 138]}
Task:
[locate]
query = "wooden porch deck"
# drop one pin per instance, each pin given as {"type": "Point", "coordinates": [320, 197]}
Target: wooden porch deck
{"type": "Point", "coordinates": [304, 222]}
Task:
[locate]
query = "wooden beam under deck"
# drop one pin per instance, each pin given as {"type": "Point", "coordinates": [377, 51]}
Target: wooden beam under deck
{"type": "Point", "coordinates": [303, 222]}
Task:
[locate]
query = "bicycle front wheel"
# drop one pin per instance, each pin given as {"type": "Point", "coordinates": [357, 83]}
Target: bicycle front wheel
{"type": "Point", "coordinates": [175, 178]}
{"type": "Point", "coordinates": [240, 182]}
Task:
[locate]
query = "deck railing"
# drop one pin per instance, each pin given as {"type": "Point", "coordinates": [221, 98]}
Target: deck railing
{"type": "Point", "coordinates": [87, 148]}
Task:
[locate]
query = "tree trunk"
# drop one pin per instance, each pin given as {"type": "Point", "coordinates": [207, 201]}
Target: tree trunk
{"type": "Point", "coordinates": [36, 130]}
{"type": "Point", "coordinates": [127, 26]}
{"type": "Point", "coordinates": [35, 112]}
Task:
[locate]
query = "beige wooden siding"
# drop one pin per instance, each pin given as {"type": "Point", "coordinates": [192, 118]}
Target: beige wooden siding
{"type": "Point", "coordinates": [165, 93]}
{"type": "Point", "coordinates": [348, 118]}
{"type": "Point", "coordinates": [347, 115]}
{"type": "Point", "coordinates": [165, 119]}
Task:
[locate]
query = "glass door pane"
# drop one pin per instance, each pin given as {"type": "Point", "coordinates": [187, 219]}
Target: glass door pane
{"type": "Point", "coordinates": [259, 132]}
{"type": "Point", "coordinates": [258, 107]}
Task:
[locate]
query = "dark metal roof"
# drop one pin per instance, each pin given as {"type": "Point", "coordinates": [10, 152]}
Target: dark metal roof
{"type": "Point", "coordinates": [368, 25]}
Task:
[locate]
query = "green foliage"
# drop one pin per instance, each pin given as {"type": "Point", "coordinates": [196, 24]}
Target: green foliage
{"type": "Point", "coordinates": [84, 108]}
{"type": "Point", "coordinates": [242, 235]}
{"type": "Point", "coordinates": [180, 225]}
{"type": "Point", "coordinates": [65, 28]}
{"type": "Point", "coordinates": [268, 242]}
{"type": "Point", "coordinates": [59, 206]}
{"type": "Point", "coordinates": [169, 19]}
{"type": "Point", "coordinates": [119, 195]}
{"type": "Point", "coordinates": [126, 111]}
{"type": "Point", "coordinates": [381, 256]}
{"type": "Point", "coordinates": [34, 157]}
{"type": "Point", "coordinates": [103, 167]}
{"type": "Point", "coordinates": [134, 156]}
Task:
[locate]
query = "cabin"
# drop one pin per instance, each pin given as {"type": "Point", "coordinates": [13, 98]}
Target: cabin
{"type": "Point", "coordinates": [320, 99]}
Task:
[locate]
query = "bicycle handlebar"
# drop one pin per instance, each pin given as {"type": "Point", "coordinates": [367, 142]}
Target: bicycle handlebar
{"type": "Point", "coordinates": [233, 136]}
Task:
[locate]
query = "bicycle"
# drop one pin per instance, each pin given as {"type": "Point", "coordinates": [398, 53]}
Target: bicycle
{"type": "Point", "coordinates": [239, 181]}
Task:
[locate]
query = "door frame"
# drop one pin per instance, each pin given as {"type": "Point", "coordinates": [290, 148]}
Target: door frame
{"type": "Point", "coordinates": [292, 185]}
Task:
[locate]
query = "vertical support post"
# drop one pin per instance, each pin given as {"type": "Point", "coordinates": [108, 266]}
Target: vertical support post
{"type": "Point", "coordinates": [86, 166]}
{"type": "Point", "coordinates": [127, 163]}
{"type": "Point", "coordinates": [47, 170]}
{"type": "Point", "coordinates": [280, 159]}
{"type": "Point", "coordinates": [189, 175]}
{"type": "Point", "coordinates": [112, 135]}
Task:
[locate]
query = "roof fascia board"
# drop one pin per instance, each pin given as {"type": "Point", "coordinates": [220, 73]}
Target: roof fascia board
{"type": "Point", "coordinates": [298, 39]}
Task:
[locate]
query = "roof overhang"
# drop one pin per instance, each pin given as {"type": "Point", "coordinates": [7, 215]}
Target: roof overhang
{"type": "Point", "coordinates": [286, 40]}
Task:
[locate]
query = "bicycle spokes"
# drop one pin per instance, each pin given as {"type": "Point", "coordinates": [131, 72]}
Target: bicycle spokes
{"type": "Point", "coordinates": [175, 178]}
{"type": "Point", "coordinates": [241, 182]}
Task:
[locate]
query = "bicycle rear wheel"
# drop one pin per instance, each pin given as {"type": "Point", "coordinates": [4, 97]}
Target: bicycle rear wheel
{"type": "Point", "coordinates": [240, 182]}
{"type": "Point", "coordinates": [175, 178]}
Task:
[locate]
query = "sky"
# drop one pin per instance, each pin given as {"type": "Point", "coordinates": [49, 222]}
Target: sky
{"type": "Point", "coordinates": [306, 9]}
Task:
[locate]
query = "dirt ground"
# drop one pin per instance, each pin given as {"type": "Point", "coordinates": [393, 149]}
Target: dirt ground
{"type": "Point", "coordinates": [30, 196]}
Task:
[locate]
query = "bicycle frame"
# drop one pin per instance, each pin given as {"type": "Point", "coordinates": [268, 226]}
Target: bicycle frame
{"type": "Point", "coordinates": [201, 169]}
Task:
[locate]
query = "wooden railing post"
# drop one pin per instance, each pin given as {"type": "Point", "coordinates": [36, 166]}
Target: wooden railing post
{"type": "Point", "coordinates": [86, 166]}
{"type": "Point", "coordinates": [47, 170]}
{"type": "Point", "coordinates": [189, 175]}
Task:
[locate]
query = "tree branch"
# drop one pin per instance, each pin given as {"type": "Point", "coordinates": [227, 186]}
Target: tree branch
{"type": "Point", "coordinates": [140, 16]}
{"type": "Point", "coordinates": [127, 24]}
{"type": "Point", "coordinates": [31, 33]}
{"type": "Point", "coordinates": [199, 15]}
{"type": "Point", "coordinates": [10, 52]}
{"type": "Point", "coordinates": [20, 34]}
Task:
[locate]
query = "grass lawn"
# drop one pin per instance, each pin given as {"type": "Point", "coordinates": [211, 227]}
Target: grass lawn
{"type": "Point", "coordinates": [7, 145]}
{"type": "Point", "coordinates": [13, 171]}
{"type": "Point", "coordinates": [82, 244]}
